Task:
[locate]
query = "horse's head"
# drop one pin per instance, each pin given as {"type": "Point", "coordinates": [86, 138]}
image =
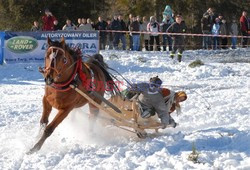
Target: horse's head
{"type": "Point", "coordinates": [59, 62]}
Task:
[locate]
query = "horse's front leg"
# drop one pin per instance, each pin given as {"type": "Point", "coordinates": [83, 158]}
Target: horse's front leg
{"type": "Point", "coordinates": [45, 116]}
{"type": "Point", "coordinates": [61, 115]}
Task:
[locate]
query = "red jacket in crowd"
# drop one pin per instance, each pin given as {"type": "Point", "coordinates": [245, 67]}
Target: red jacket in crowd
{"type": "Point", "coordinates": [244, 24]}
{"type": "Point", "coordinates": [48, 24]}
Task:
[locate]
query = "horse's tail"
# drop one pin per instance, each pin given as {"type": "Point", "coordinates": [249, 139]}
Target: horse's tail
{"type": "Point", "coordinates": [112, 85]}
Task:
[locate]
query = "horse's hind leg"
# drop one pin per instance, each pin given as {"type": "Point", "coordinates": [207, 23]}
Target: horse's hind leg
{"type": "Point", "coordinates": [61, 115]}
{"type": "Point", "coordinates": [92, 116]}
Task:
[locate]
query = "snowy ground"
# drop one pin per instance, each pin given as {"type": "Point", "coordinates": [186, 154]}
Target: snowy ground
{"type": "Point", "coordinates": [221, 135]}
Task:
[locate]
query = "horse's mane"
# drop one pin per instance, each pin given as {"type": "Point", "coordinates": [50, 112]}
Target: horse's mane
{"type": "Point", "coordinates": [97, 59]}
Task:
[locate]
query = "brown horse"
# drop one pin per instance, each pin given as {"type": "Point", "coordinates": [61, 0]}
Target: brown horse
{"type": "Point", "coordinates": [64, 67]}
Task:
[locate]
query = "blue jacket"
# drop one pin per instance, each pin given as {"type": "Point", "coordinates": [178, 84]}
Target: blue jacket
{"type": "Point", "coordinates": [215, 29]}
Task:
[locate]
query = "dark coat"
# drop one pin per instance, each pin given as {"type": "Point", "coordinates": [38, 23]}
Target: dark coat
{"type": "Point", "coordinates": [101, 26]}
{"type": "Point", "coordinates": [206, 25]}
{"type": "Point", "coordinates": [135, 26]}
{"type": "Point", "coordinates": [116, 25]}
{"type": "Point", "coordinates": [123, 26]}
{"type": "Point", "coordinates": [177, 28]}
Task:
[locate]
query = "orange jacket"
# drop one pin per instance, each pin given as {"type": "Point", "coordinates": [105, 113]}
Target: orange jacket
{"type": "Point", "coordinates": [165, 92]}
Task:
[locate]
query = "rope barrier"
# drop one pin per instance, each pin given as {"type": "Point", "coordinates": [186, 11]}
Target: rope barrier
{"type": "Point", "coordinates": [167, 33]}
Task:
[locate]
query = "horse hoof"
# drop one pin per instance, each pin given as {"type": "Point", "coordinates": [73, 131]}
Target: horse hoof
{"type": "Point", "coordinates": [141, 135]}
{"type": "Point", "coordinates": [34, 149]}
{"type": "Point", "coordinates": [31, 151]}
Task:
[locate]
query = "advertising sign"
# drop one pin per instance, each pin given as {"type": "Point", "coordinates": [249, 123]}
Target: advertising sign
{"type": "Point", "coordinates": [1, 46]}
{"type": "Point", "coordinates": [21, 47]}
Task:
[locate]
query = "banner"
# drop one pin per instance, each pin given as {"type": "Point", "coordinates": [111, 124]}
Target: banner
{"type": "Point", "coordinates": [1, 46]}
{"type": "Point", "coordinates": [21, 47]}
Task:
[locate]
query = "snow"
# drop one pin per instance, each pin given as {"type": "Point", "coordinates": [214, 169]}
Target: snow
{"type": "Point", "coordinates": [215, 117]}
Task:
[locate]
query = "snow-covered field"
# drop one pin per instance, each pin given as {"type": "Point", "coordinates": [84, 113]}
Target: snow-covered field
{"type": "Point", "coordinates": [220, 135]}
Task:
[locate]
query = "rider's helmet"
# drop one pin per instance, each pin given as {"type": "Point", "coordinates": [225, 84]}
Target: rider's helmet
{"type": "Point", "coordinates": [155, 81]}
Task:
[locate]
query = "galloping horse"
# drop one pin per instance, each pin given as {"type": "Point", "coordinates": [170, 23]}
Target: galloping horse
{"type": "Point", "coordinates": [64, 67]}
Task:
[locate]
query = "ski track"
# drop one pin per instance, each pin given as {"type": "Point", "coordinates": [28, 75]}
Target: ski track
{"type": "Point", "coordinates": [221, 134]}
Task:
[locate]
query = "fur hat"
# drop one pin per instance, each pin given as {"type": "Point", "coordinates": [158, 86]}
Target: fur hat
{"type": "Point", "coordinates": [182, 94]}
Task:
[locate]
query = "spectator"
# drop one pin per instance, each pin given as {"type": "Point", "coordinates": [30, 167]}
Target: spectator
{"type": "Point", "coordinates": [89, 21]}
{"type": "Point", "coordinates": [56, 26]}
{"type": "Point", "coordinates": [178, 40]}
{"type": "Point", "coordinates": [206, 30]}
{"type": "Point", "coordinates": [244, 27]}
{"type": "Point", "coordinates": [135, 26]}
{"type": "Point", "coordinates": [167, 13]}
{"type": "Point", "coordinates": [208, 12]}
{"type": "Point", "coordinates": [223, 31]}
{"type": "Point", "coordinates": [220, 16]}
{"type": "Point", "coordinates": [116, 26]}
{"type": "Point", "coordinates": [167, 22]}
{"type": "Point", "coordinates": [36, 26]}
{"type": "Point", "coordinates": [130, 20]}
{"type": "Point", "coordinates": [215, 32]}
{"type": "Point", "coordinates": [154, 28]}
{"type": "Point", "coordinates": [146, 37]}
{"type": "Point", "coordinates": [101, 25]}
{"type": "Point", "coordinates": [138, 18]}
{"type": "Point", "coordinates": [48, 20]}
{"type": "Point", "coordinates": [211, 21]}
{"type": "Point", "coordinates": [69, 26]}
{"type": "Point", "coordinates": [85, 26]}
{"type": "Point", "coordinates": [79, 21]}
{"type": "Point", "coordinates": [234, 32]}
{"type": "Point", "coordinates": [110, 35]}
{"type": "Point", "coordinates": [122, 35]}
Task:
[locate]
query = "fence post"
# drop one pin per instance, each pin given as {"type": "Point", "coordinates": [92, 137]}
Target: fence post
{"type": "Point", "coordinates": [1, 47]}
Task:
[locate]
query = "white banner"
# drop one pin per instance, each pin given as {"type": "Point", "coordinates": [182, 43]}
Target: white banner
{"type": "Point", "coordinates": [21, 47]}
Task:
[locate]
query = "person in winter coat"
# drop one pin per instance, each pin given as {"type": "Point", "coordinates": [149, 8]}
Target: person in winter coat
{"type": "Point", "coordinates": [146, 37]}
{"type": "Point", "coordinates": [151, 101]}
{"type": "Point", "coordinates": [69, 26]}
{"type": "Point", "coordinates": [206, 30]}
{"type": "Point", "coordinates": [101, 25]}
{"type": "Point", "coordinates": [85, 26]}
{"type": "Point", "coordinates": [109, 35]}
{"type": "Point", "coordinates": [234, 32]}
{"type": "Point", "coordinates": [172, 99]}
{"type": "Point", "coordinates": [154, 28]}
{"type": "Point", "coordinates": [244, 27]}
{"type": "Point", "coordinates": [223, 31]}
{"type": "Point", "coordinates": [56, 26]}
{"type": "Point", "coordinates": [116, 26]}
{"type": "Point", "coordinates": [167, 13]}
{"type": "Point", "coordinates": [178, 40]}
{"type": "Point", "coordinates": [122, 35]}
{"type": "Point", "coordinates": [48, 20]}
{"type": "Point", "coordinates": [135, 26]}
{"type": "Point", "coordinates": [130, 20]}
{"type": "Point", "coordinates": [36, 26]}
{"type": "Point", "coordinates": [166, 23]}
{"type": "Point", "coordinates": [215, 32]}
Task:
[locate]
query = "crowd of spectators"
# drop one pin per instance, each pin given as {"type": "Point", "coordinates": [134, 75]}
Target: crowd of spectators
{"type": "Point", "coordinates": [116, 31]}
{"type": "Point", "coordinates": [217, 25]}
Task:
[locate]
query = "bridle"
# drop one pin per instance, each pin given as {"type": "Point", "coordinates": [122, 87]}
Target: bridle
{"type": "Point", "coordinates": [52, 57]}
{"type": "Point", "coordinates": [52, 66]}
